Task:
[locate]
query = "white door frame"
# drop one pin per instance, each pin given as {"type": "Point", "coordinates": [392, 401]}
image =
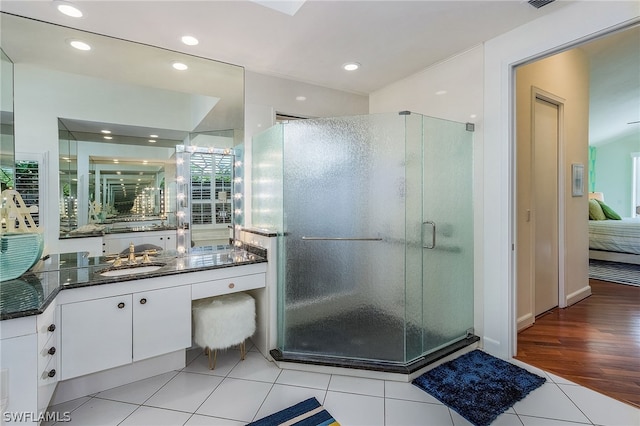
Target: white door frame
{"type": "Point", "coordinates": [538, 93]}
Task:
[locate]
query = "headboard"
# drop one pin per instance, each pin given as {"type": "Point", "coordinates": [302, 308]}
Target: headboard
{"type": "Point", "coordinates": [596, 196]}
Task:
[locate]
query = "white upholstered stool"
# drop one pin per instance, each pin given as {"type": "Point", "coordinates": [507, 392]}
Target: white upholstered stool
{"type": "Point", "coordinates": [223, 321]}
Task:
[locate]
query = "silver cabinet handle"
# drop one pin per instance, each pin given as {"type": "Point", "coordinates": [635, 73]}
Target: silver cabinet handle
{"type": "Point", "coordinates": [433, 234]}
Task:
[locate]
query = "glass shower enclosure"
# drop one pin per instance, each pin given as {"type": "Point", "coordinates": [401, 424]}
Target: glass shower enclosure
{"type": "Point", "coordinates": [374, 218]}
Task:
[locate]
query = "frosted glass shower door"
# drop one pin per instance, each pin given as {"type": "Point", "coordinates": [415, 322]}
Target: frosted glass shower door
{"type": "Point", "coordinates": [447, 233]}
{"type": "Point", "coordinates": [344, 230]}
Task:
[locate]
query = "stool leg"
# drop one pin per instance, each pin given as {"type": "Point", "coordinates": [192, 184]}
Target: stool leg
{"type": "Point", "coordinates": [212, 365]}
{"type": "Point", "coordinates": [243, 350]}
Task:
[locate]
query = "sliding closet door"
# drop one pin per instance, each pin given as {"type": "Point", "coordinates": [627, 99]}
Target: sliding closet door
{"type": "Point", "coordinates": [545, 159]}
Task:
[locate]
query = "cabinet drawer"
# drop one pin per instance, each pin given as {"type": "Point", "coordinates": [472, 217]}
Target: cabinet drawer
{"type": "Point", "coordinates": [228, 285]}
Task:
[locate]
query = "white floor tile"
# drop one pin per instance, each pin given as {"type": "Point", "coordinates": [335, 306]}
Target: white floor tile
{"type": "Point", "coordinates": [560, 380]}
{"type": "Point", "coordinates": [101, 412]}
{"type": "Point", "coordinates": [150, 416]}
{"type": "Point", "coordinates": [137, 392]}
{"type": "Point", "coordinates": [357, 385]}
{"type": "Point", "coordinates": [200, 420]}
{"type": "Point", "coordinates": [236, 399]}
{"type": "Point", "coordinates": [508, 418]}
{"type": "Point", "coordinates": [407, 391]}
{"type": "Point", "coordinates": [185, 392]}
{"type": "Point", "coordinates": [68, 406]}
{"type": "Point", "coordinates": [226, 360]}
{"type": "Point", "coordinates": [550, 402]}
{"type": "Point", "coordinates": [355, 410]}
{"type": "Point", "coordinates": [283, 396]}
{"type": "Point", "coordinates": [601, 409]}
{"type": "Point", "coordinates": [255, 367]}
{"type": "Point", "coordinates": [540, 421]}
{"type": "Point", "coordinates": [255, 388]}
{"type": "Point", "coordinates": [409, 413]}
{"type": "Point", "coordinates": [504, 419]}
{"type": "Point", "coordinates": [304, 379]}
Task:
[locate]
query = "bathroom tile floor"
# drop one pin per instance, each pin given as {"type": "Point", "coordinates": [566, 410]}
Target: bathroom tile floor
{"type": "Point", "coordinates": [236, 393]}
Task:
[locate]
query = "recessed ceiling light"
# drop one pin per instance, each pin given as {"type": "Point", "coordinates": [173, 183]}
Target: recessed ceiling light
{"type": "Point", "coordinates": [189, 40]}
{"type": "Point", "coordinates": [351, 66]}
{"type": "Point", "coordinates": [80, 45]}
{"type": "Point", "coordinates": [473, 116]}
{"type": "Point", "coordinates": [152, 141]}
{"type": "Point", "coordinates": [106, 132]}
{"type": "Point", "coordinates": [68, 9]}
{"type": "Point", "coordinates": [301, 98]}
{"type": "Point", "coordinates": [108, 137]}
{"type": "Point", "coordinates": [179, 66]}
{"type": "Point", "coordinates": [153, 136]}
{"type": "Point", "coordinates": [441, 92]}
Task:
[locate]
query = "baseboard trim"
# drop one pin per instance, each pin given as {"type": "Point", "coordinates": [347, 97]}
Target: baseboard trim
{"type": "Point", "coordinates": [578, 295]}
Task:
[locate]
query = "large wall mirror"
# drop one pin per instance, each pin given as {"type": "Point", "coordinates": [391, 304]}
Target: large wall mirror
{"type": "Point", "coordinates": [113, 115]}
{"type": "Point", "coordinates": [7, 160]}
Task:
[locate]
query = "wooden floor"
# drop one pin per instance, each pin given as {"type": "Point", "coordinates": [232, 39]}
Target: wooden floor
{"type": "Point", "coordinates": [595, 343]}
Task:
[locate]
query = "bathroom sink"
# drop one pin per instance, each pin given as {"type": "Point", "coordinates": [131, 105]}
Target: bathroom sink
{"type": "Point", "coordinates": [130, 270]}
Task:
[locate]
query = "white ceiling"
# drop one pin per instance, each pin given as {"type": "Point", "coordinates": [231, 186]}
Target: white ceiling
{"type": "Point", "coordinates": [390, 39]}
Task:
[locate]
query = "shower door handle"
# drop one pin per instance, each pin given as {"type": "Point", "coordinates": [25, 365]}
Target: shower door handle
{"type": "Point", "coordinates": [433, 234]}
{"type": "Point", "coordinates": [340, 239]}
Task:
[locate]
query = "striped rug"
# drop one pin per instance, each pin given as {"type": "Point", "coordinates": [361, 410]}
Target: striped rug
{"type": "Point", "coordinates": [306, 413]}
{"type": "Point", "coordinates": [615, 272]}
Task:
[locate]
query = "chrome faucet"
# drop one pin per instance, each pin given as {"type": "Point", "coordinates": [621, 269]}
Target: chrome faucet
{"type": "Point", "coordinates": [132, 254]}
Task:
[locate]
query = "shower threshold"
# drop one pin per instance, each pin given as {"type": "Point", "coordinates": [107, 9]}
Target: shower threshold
{"type": "Point", "coordinates": [374, 365]}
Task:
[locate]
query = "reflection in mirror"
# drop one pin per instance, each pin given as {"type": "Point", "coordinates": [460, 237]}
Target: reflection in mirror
{"type": "Point", "coordinates": [7, 156]}
{"type": "Point", "coordinates": [132, 91]}
{"type": "Point", "coordinates": [104, 187]}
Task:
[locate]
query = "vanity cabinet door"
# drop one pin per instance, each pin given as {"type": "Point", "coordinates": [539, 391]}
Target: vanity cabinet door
{"type": "Point", "coordinates": [95, 335]}
{"type": "Point", "coordinates": [166, 239]}
{"type": "Point", "coordinates": [161, 321]}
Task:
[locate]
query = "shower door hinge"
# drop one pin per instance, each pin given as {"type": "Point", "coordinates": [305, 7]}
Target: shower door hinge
{"type": "Point", "coordinates": [404, 113]}
{"type": "Point", "coordinates": [471, 127]}
{"type": "Point", "coordinates": [470, 332]}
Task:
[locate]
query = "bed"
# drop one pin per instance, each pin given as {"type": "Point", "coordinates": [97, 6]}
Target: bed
{"type": "Point", "coordinates": [613, 240]}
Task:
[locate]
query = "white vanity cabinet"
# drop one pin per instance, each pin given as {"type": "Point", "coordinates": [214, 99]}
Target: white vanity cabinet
{"type": "Point", "coordinates": [116, 243]}
{"type": "Point", "coordinates": [18, 364]}
{"type": "Point", "coordinates": [28, 365]}
{"type": "Point", "coordinates": [96, 335]}
{"type": "Point", "coordinates": [113, 331]}
{"type": "Point", "coordinates": [161, 321]}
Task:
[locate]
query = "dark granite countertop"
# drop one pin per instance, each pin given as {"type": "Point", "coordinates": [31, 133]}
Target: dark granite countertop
{"type": "Point", "coordinates": [32, 292]}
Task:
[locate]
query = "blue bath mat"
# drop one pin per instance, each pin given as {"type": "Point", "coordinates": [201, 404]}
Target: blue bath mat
{"type": "Point", "coordinates": [306, 413]}
{"type": "Point", "coordinates": [478, 386]}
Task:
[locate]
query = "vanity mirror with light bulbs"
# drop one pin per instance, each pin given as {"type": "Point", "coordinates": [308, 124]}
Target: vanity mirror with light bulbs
{"type": "Point", "coordinates": [110, 119]}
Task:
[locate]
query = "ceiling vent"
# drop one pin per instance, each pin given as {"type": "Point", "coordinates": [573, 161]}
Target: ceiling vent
{"type": "Point", "coordinates": [539, 3]}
